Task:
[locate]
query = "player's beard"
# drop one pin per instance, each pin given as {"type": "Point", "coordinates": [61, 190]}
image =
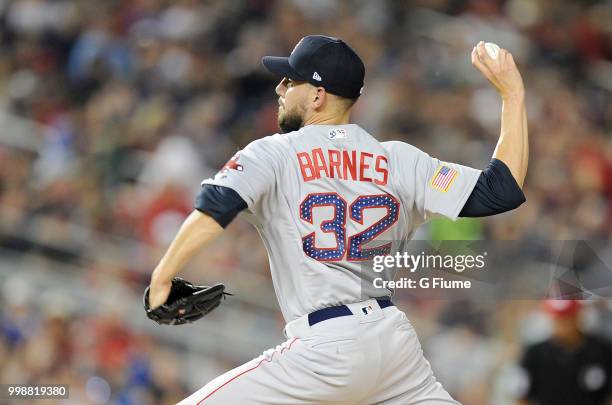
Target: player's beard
{"type": "Point", "coordinates": [292, 120]}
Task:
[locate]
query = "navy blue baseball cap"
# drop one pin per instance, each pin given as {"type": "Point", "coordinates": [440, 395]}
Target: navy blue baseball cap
{"type": "Point", "coordinates": [322, 61]}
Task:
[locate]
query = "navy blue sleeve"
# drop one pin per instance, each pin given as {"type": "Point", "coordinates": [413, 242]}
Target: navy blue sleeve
{"type": "Point", "coordinates": [221, 203]}
{"type": "Point", "coordinates": [495, 192]}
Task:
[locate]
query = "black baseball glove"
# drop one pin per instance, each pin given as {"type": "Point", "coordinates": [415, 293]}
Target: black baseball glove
{"type": "Point", "coordinates": [186, 302]}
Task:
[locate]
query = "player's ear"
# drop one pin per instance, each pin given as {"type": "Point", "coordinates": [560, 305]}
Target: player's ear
{"type": "Point", "coordinates": [319, 97]}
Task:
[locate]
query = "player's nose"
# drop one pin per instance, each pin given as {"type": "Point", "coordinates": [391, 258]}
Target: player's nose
{"type": "Point", "coordinates": [281, 88]}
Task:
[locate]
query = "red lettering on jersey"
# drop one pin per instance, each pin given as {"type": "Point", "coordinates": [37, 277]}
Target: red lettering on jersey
{"type": "Point", "coordinates": [319, 162]}
{"type": "Point", "coordinates": [344, 165]}
{"type": "Point", "coordinates": [363, 166]}
{"type": "Point", "coordinates": [306, 163]}
{"type": "Point", "coordinates": [349, 165]}
{"type": "Point", "coordinates": [334, 162]}
{"type": "Point", "coordinates": [382, 170]}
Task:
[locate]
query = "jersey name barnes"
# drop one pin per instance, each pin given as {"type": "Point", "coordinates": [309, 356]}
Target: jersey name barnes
{"type": "Point", "coordinates": [343, 165]}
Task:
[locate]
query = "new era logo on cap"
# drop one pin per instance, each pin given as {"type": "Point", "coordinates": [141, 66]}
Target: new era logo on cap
{"type": "Point", "coordinates": [316, 77]}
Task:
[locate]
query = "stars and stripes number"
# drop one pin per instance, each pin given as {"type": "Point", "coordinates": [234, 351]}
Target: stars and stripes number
{"type": "Point", "coordinates": [337, 226]}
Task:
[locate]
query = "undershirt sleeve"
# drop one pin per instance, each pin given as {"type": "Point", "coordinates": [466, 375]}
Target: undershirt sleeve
{"type": "Point", "coordinates": [496, 191]}
{"type": "Point", "coordinates": [221, 203]}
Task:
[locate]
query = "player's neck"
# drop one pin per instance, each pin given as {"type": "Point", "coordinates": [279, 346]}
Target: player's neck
{"type": "Point", "coordinates": [326, 119]}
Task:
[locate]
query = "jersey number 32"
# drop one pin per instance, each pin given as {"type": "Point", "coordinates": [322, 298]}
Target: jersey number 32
{"type": "Point", "coordinates": [337, 226]}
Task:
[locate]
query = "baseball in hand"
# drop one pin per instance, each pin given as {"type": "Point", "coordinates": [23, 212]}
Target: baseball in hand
{"type": "Point", "coordinates": [492, 49]}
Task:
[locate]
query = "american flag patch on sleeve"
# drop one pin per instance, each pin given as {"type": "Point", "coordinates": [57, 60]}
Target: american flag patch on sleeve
{"type": "Point", "coordinates": [443, 178]}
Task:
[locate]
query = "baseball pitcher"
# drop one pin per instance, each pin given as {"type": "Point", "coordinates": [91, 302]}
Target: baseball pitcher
{"type": "Point", "coordinates": [326, 197]}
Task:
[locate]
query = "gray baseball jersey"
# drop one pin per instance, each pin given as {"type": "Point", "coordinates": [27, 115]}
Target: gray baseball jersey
{"type": "Point", "coordinates": [326, 199]}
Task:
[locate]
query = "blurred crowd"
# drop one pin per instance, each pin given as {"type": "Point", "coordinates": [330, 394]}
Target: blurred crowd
{"type": "Point", "coordinates": [100, 359]}
{"type": "Point", "coordinates": [133, 103]}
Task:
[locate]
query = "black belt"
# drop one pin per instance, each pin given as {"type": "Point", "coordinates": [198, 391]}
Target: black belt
{"type": "Point", "coordinates": [341, 310]}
